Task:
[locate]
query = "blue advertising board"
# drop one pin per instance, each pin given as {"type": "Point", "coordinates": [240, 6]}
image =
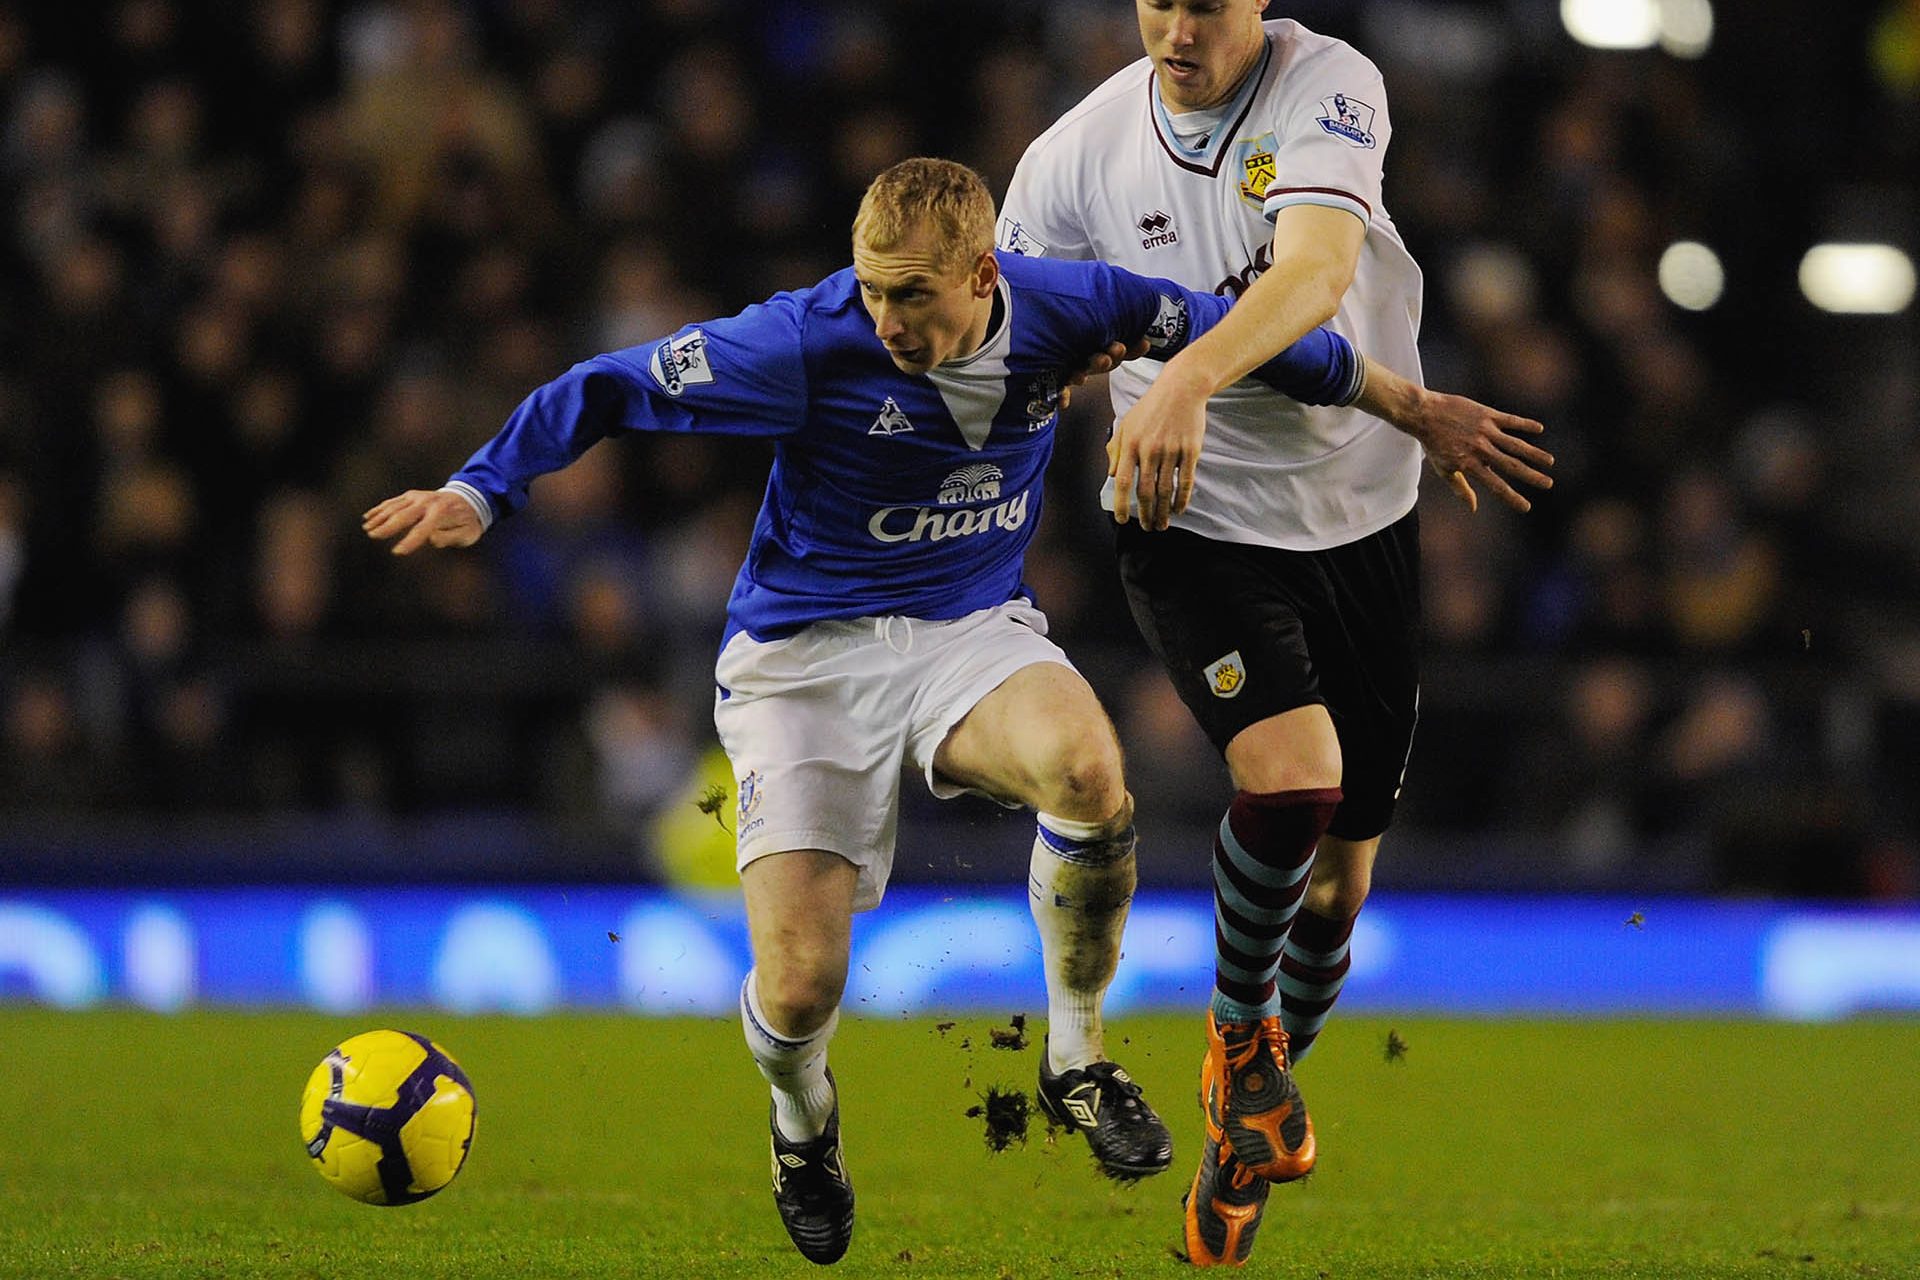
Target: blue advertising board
{"type": "Point", "coordinates": [650, 951]}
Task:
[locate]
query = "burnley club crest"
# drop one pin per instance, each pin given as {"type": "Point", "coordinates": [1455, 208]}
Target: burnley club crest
{"type": "Point", "coordinates": [1254, 162]}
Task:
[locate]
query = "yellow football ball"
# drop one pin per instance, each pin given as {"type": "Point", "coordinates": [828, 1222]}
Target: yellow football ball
{"type": "Point", "coordinates": [388, 1117]}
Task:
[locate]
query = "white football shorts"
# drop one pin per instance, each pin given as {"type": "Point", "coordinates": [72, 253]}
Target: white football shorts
{"type": "Point", "coordinates": [819, 724]}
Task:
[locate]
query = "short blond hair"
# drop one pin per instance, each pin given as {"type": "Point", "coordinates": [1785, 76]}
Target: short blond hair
{"type": "Point", "coordinates": [946, 196]}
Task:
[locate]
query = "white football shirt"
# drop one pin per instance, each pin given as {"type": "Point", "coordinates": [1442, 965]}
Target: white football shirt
{"type": "Point", "coordinates": [1112, 179]}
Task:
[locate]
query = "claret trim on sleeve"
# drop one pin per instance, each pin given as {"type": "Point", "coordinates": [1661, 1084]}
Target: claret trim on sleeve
{"type": "Point", "coordinates": [1279, 197]}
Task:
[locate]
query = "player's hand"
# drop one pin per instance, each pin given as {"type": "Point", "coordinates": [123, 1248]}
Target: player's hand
{"type": "Point", "coordinates": [423, 518]}
{"type": "Point", "coordinates": [1156, 445]}
{"type": "Point", "coordinates": [1467, 442]}
{"type": "Point", "coordinates": [1105, 361]}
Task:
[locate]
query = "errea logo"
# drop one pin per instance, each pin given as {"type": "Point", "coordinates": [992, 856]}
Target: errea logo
{"type": "Point", "coordinates": [1156, 229]}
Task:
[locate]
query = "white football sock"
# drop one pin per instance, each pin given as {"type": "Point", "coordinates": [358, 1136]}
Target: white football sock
{"type": "Point", "coordinates": [1079, 885]}
{"type": "Point", "coordinates": [796, 1068]}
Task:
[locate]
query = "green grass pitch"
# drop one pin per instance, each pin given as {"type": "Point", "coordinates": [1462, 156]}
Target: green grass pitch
{"type": "Point", "coordinates": [138, 1145]}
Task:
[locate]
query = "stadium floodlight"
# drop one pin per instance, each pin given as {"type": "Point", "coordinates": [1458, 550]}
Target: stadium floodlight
{"type": "Point", "coordinates": [1612, 24]}
{"type": "Point", "coordinates": [1857, 279]}
{"type": "Point", "coordinates": [1691, 275]}
{"type": "Point", "coordinates": [1686, 27]}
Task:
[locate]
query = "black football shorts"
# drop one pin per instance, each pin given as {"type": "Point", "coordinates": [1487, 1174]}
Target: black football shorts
{"type": "Point", "coordinates": [1248, 632]}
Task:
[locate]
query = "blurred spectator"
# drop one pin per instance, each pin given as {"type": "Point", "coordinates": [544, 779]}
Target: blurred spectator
{"type": "Point", "coordinates": [642, 751]}
{"type": "Point", "coordinates": [572, 535]}
{"type": "Point", "coordinates": [1721, 576]}
{"type": "Point", "coordinates": [293, 572]}
{"type": "Point", "coordinates": [1586, 787]}
{"type": "Point", "coordinates": [447, 139]}
{"type": "Point", "coordinates": [45, 766]}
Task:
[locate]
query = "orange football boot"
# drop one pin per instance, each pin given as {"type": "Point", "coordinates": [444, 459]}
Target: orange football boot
{"type": "Point", "coordinates": [1224, 1204]}
{"type": "Point", "coordinates": [1263, 1118]}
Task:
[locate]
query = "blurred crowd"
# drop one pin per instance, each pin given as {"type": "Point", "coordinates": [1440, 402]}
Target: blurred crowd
{"type": "Point", "coordinates": [266, 262]}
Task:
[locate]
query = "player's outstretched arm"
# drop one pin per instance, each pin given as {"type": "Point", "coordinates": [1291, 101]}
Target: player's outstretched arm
{"type": "Point", "coordinates": [1315, 250]}
{"type": "Point", "coordinates": [424, 518]}
{"type": "Point", "coordinates": [1465, 440]}
{"type": "Point", "coordinates": [739, 376]}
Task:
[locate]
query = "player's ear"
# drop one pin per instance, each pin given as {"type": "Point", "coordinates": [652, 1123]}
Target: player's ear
{"type": "Point", "coordinates": [986, 274]}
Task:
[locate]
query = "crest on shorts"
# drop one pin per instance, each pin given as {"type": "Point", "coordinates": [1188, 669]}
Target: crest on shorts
{"type": "Point", "coordinates": [1254, 161]}
{"type": "Point", "coordinates": [1226, 676]}
{"type": "Point", "coordinates": [679, 363]}
{"type": "Point", "coordinates": [750, 793]}
{"type": "Point", "coordinates": [1348, 118]}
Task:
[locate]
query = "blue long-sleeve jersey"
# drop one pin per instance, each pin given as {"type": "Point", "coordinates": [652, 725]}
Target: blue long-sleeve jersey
{"type": "Point", "coordinates": [891, 493]}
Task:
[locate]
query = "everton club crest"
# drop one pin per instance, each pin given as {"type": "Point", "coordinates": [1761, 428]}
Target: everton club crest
{"type": "Point", "coordinates": [1043, 400]}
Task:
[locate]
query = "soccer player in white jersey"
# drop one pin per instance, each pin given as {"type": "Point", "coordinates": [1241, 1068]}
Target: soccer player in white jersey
{"type": "Point", "coordinates": [1278, 581]}
{"type": "Point", "coordinates": [880, 617]}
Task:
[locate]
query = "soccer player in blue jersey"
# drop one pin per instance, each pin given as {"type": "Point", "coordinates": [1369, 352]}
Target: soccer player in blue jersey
{"type": "Point", "coordinates": [880, 618]}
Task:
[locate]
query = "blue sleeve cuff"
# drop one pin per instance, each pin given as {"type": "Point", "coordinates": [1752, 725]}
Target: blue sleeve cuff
{"type": "Point", "coordinates": [481, 504]}
{"type": "Point", "coordinates": [1321, 368]}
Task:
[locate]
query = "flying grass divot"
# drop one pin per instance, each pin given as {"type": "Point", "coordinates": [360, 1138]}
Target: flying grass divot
{"type": "Point", "coordinates": [1007, 1114]}
{"type": "Point", "coordinates": [1013, 1037]}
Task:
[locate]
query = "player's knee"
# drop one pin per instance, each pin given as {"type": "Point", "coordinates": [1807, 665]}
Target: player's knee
{"type": "Point", "coordinates": [1297, 751]}
{"type": "Point", "coordinates": [1083, 779]}
{"type": "Point", "coordinates": [1339, 893]}
{"type": "Point", "coordinates": [1311, 771]}
{"type": "Point", "coordinates": [799, 996]}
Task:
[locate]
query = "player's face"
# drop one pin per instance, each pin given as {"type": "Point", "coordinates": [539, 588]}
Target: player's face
{"type": "Point", "coordinates": [925, 310]}
{"type": "Point", "coordinates": [1201, 49]}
